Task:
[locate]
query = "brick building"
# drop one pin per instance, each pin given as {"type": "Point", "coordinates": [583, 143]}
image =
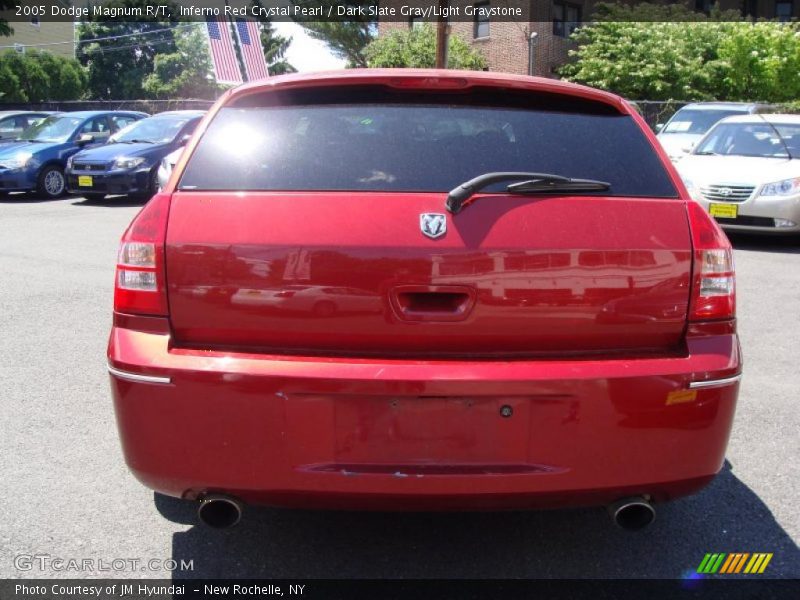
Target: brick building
{"type": "Point", "coordinates": [539, 43]}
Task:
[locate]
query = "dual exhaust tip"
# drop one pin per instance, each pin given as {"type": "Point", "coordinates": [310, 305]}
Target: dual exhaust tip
{"type": "Point", "coordinates": [633, 513]}
{"type": "Point", "coordinates": [221, 512]}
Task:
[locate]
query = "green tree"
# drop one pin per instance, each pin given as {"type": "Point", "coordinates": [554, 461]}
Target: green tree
{"type": "Point", "coordinates": [654, 52]}
{"type": "Point", "coordinates": [118, 66]}
{"type": "Point", "coordinates": [38, 76]}
{"type": "Point", "coordinates": [5, 28]}
{"type": "Point", "coordinates": [185, 73]}
{"type": "Point", "coordinates": [345, 39]}
{"type": "Point", "coordinates": [417, 48]}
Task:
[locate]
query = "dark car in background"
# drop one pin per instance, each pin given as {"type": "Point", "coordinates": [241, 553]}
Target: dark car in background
{"type": "Point", "coordinates": [36, 161]}
{"type": "Point", "coordinates": [129, 163]}
{"type": "Point", "coordinates": [14, 122]}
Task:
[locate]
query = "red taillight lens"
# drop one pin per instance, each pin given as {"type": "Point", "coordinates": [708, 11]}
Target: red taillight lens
{"type": "Point", "coordinates": [140, 285]}
{"type": "Point", "coordinates": [714, 284]}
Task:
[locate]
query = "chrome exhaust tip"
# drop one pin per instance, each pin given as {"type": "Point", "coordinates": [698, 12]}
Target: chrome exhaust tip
{"type": "Point", "coordinates": [632, 514]}
{"type": "Point", "coordinates": [219, 512]}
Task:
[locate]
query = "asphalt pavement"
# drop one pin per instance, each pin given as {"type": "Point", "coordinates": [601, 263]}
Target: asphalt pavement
{"type": "Point", "coordinates": [65, 492]}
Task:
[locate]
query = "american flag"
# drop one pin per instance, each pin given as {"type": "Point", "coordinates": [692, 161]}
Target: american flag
{"type": "Point", "coordinates": [223, 54]}
{"type": "Point", "coordinates": [253, 54]}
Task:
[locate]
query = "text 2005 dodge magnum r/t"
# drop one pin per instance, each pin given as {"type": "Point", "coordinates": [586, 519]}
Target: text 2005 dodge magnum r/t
{"type": "Point", "coordinates": [414, 290]}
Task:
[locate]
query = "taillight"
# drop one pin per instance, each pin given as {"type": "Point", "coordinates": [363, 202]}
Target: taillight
{"type": "Point", "coordinates": [714, 285]}
{"type": "Point", "coordinates": [140, 285]}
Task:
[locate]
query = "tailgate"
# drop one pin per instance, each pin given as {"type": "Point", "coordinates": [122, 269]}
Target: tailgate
{"type": "Point", "coordinates": [351, 273]}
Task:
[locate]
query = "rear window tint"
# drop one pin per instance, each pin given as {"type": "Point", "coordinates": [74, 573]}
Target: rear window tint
{"type": "Point", "coordinates": [411, 143]}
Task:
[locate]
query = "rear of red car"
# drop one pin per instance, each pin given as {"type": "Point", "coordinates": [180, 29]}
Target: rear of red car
{"type": "Point", "coordinates": [300, 321]}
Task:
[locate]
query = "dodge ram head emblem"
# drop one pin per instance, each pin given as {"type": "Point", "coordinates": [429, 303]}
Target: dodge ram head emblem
{"type": "Point", "coordinates": [433, 225]}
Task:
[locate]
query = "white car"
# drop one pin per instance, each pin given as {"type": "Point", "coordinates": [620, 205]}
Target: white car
{"type": "Point", "coordinates": [166, 166]}
{"type": "Point", "coordinates": [689, 124]}
{"type": "Point", "coordinates": [746, 173]}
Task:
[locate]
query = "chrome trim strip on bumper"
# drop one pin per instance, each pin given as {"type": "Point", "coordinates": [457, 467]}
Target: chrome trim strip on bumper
{"type": "Point", "coordinates": [137, 378]}
{"type": "Point", "coordinates": [714, 382]}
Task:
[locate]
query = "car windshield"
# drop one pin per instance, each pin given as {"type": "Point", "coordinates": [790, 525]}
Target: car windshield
{"type": "Point", "coordinates": [52, 129]}
{"type": "Point", "coordinates": [418, 147]}
{"type": "Point", "coordinates": [157, 130]}
{"type": "Point", "coordinates": [752, 139]}
{"type": "Point", "coordinates": [697, 121]}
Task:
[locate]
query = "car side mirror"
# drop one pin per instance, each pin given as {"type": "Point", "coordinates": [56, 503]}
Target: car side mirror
{"type": "Point", "coordinates": [659, 127]}
{"type": "Point", "coordinates": [184, 139]}
{"type": "Point", "coordinates": [85, 138]}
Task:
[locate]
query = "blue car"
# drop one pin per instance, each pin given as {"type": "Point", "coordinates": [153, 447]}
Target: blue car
{"type": "Point", "coordinates": [129, 163]}
{"type": "Point", "coordinates": [36, 161]}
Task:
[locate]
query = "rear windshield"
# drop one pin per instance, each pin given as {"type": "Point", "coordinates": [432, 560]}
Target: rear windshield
{"type": "Point", "coordinates": [414, 145]}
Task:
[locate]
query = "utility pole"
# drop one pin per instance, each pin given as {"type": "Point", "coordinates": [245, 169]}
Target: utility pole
{"type": "Point", "coordinates": [442, 29]}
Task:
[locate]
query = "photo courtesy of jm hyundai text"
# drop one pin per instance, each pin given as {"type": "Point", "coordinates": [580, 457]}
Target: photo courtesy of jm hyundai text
{"type": "Point", "coordinates": [424, 290]}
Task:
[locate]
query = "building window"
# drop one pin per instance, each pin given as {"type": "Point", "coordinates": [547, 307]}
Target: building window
{"type": "Point", "coordinates": [480, 27]}
{"type": "Point", "coordinates": [783, 10]}
{"type": "Point", "coordinates": [414, 22]}
{"type": "Point", "coordinates": [566, 18]}
{"type": "Point", "coordinates": [751, 8]}
{"type": "Point", "coordinates": [19, 48]}
{"type": "Point", "coordinates": [35, 22]}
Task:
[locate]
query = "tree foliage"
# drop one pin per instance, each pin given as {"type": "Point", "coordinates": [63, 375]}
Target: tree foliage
{"type": "Point", "coordinates": [416, 47]}
{"type": "Point", "coordinates": [38, 76]}
{"type": "Point", "coordinates": [5, 28]}
{"type": "Point", "coordinates": [345, 39]}
{"type": "Point", "coordinates": [185, 73]}
{"type": "Point", "coordinates": [117, 68]}
{"type": "Point", "coordinates": [669, 53]}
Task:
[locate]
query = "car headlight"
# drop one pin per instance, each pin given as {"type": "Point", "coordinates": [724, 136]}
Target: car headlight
{"type": "Point", "coordinates": [128, 162]}
{"type": "Point", "coordinates": [18, 160]}
{"type": "Point", "coordinates": [787, 187]}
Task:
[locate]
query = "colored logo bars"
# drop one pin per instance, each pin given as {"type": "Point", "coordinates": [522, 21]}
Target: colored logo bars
{"type": "Point", "coordinates": [738, 562]}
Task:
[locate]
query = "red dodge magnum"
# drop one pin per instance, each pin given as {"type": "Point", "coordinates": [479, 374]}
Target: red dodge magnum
{"type": "Point", "coordinates": [423, 290]}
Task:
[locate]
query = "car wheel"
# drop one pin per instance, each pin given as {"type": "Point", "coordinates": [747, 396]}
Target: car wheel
{"type": "Point", "coordinates": [94, 197]}
{"type": "Point", "coordinates": [51, 182]}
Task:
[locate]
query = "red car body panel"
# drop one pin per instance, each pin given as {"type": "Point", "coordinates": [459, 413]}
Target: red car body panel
{"type": "Point", "coordinates": [353, 363]}
{"type": "Point", "coordinates": [355, 433]}
{"type": "Point", "coordinates": [536, 288]}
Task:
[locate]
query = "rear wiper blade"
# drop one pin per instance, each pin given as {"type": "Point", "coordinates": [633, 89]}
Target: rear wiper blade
{"type": "Point", "coordinates": [530, 183]}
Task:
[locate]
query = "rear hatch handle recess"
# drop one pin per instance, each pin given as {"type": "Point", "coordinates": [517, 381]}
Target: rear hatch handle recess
{"type": "Point", "coordinates": [529, 183]}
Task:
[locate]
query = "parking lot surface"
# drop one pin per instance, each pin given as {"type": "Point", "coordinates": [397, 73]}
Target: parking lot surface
{"type": "Point", "coordinates": [66, 492]}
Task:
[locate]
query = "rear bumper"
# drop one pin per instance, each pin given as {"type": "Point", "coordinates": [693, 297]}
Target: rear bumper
{"type": "Point", "coordinates": [398, 434]}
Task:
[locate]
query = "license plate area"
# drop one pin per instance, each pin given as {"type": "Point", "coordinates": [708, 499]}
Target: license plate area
{"type": "Point", "coordinates": [423, 434]}
{"type": "Point", "coordinates": [85, 181]}
{"type": "Point", "coordinates": [723, 211]}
